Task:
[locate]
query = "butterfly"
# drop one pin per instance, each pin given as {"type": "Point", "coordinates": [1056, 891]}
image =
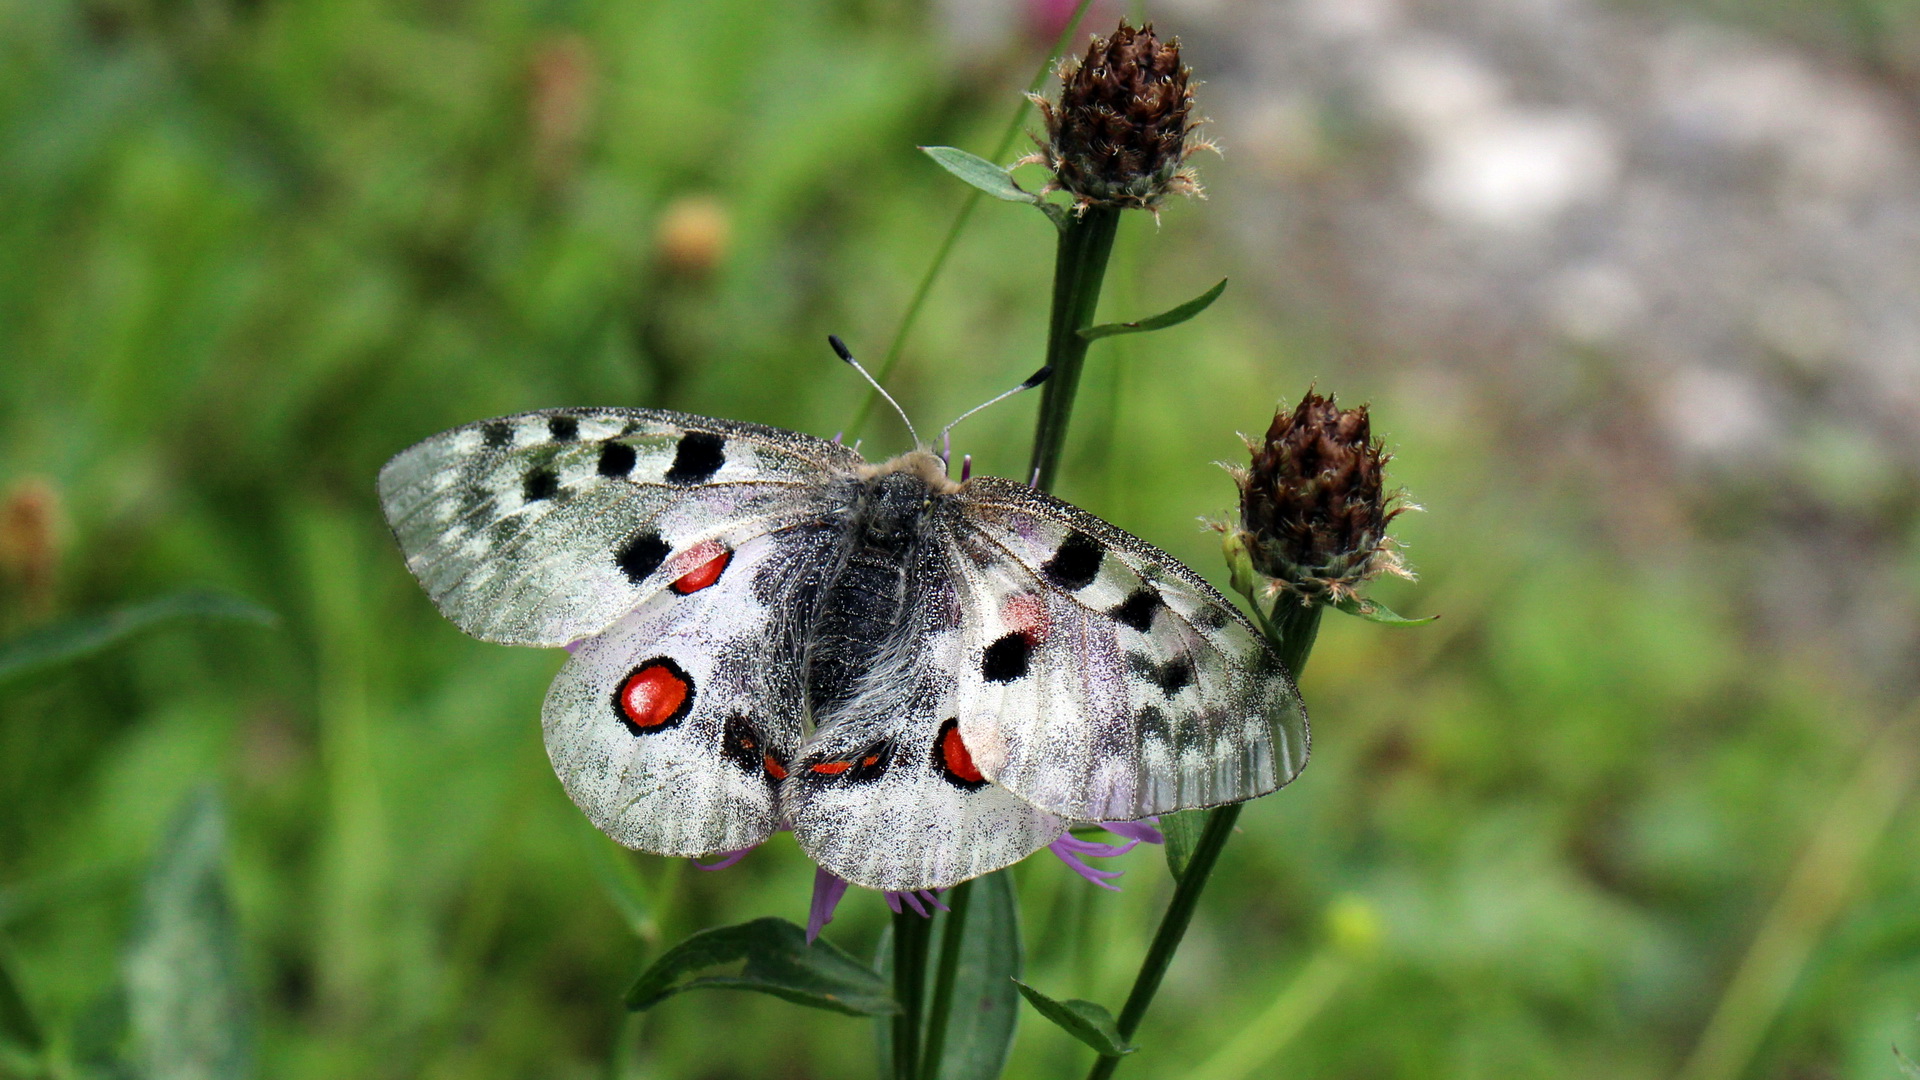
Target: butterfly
{"type": "Point", "coordinates": [926, 680]}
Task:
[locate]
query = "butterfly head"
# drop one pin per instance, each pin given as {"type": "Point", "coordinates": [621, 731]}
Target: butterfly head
{"type": "Point", "coordinates": [922, 464]}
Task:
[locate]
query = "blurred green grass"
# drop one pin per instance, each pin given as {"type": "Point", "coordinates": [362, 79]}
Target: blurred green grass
{"type": "Point", "coordinates": [251, 249]}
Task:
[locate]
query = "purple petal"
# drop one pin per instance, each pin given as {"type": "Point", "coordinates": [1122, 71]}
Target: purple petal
{"type": "Point", "coordinates": [726, 860]}
{"type": "Point", "coordinates": [827, 891]}
{"type": "Point", "coordinates": [1070, 842]}
{"type": "Point", "coordinates": [574, 646]}
{"type": "Point", "coordinates": [1135, 830]}
{"type": "Point", "coordinates": [1072, 858]}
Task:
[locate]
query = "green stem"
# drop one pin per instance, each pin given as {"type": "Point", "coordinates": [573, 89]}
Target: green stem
{"type": "Point", "coordinates": [940, 254]}
{"type": "Point", "coordinates": [1293, 629]}
{"type": "Point", "coordinates": [911, 935]}
{"type": "Point", "coordinates": [1079, 268]}
{"type": "Point", "coordinates": [950, 939]}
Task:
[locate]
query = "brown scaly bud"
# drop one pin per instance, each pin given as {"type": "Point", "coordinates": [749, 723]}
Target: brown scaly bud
{"type": "Point", "coordinates": [1314, 508]}
{"type": "Point", "coordinates": [1123, 130]}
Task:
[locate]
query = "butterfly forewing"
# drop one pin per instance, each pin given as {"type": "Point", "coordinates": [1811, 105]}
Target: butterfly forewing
{"type": "Point", "coordinates": [1104, 680]}
{"type": "Point", "coordinates": [544, 528]}
{"type": "Point", "coordinates": [674, 728]}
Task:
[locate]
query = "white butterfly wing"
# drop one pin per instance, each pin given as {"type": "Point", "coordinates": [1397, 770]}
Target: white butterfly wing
{"type": "Point", "coordinates": [1101, 678]}
{"type": "Point", "coordinates": [544, 528]}
{"type": "Point", "coordinates": [673, 729]}
{"type": "Point", "coordinates": [884, 795]}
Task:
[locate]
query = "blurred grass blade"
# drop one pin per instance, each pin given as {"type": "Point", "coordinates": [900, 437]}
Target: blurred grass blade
{"type": "Point", "coordinates": [1376, 612]}
{"type": "Point", "coordinates": [778, 961]}
{"type": "Point", "coordinates": [188, 1010]}
{"type": "Point", "coordinates": [982, 174]}
{"type": "Point", "coordinates": [1087, 1021]}
{"type": "Point", "coordinates": [620, 880]}
{"type": "Point", "coordinates": [17, 1026]}
{"type": "Point", "coordinates": [1907, 1068]}
{"type": "Point", "coordinates": [985, 1008]}
{"type": "Point", "coordinates": [1182, 829]}
{"type": "Point", "coordinates": [1170, 317]}
{"type": "Point", "coordinates": [73, 639]}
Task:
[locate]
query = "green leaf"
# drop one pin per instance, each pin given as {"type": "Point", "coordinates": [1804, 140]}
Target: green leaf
{"type": "Point", "coordinates": [74, 639]}
{"type": "Point", "coordinates": [1170, 317]}
{"type": "Point", "coordinates": [1907, 1067]}
{"type": "Point", "coordinates": [778, 961]}
{"type": "Point", "coordinates": [981, 173]}
{"type": "Point", "coordinates": [17, 1026]}
{"type": "Point", "coordinates": [1087, 1021]}
{"type": "Point", "coordinates": [1182, 828]}
{"type": "Point", "coordinates": [1374, 611]}
{"type": "Point", "coordinates": [986, 1006]}
{"type": "Point", "coordinates": [185, 1000]}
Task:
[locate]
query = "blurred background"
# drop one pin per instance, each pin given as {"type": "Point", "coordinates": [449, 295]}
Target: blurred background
{"type": "Point", "coordinates": [1631, 289]}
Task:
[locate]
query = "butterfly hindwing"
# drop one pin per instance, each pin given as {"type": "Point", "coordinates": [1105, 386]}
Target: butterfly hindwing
{"type": "Point", "coordinates": [674, 729]}
{"type": "Point", "coordinates": [885, 793]}
{"type": "Point", "coordinates": [546, 527]}
{"type": "Point", "coordinates": [1103, 680]}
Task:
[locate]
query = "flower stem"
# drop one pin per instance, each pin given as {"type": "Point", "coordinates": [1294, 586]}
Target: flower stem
{"type": "Point", "coordinates": [1292, 628]}
{"type": "Point", "coordinates": [911, 935]}
{"type": "Point", "coordinates": [940, 254]}
{"type": "Point", "coordinates": [950, 939]}
{"type": "Point", "coordinates": [1079, 267]}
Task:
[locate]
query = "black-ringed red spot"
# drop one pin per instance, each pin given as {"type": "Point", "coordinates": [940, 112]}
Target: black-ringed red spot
{"type": "Point", "coordinates": [954, 760]}
{"type": "Point", "coordinates": [655, 696]}
{"type": "Point", "coordinates": [774, 768]}
{"type": "Point", "coordinates": [706, 559]}
{"type": "Point", "coordinates": [830, 768]}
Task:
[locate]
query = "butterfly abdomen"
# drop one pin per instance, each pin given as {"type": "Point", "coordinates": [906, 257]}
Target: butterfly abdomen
{"type": "Point", "coordinates": [865, 605]}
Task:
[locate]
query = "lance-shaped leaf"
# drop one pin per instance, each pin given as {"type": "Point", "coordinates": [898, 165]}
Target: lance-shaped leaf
{"type": "Point", "coordinates": [777, 961]}
{"type": "Point", "coordinates": [185, 998]}
{"type": "Point", "coordinates": [1374, 611]}
{"type": "Point", "coordinates": [73, 639]}
{"type": "Point", "coordinates": [1087, 1021]}
{"type": "Point", "coordinates": [1182, 828]}
{"type": "Point", "coordinates": [985, 1007]}
{"type": "Point", "coordinates": [977, 171]}
{"type": "Point", "coordinates": [1170, 317]}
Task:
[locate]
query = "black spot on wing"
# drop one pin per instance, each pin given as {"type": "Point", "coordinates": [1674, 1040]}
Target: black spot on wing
{"type": "Point", "coordinates": [541, 483]}
{"type": "Point", "coordinates": [1153, 723]}
{"type": "Point", "coordinates": [1075, 563]}
{"type": "Point", "coordinates": [1171, 677]}
{"type": "Point", "coordinates": [497, 435]}
{"type": "Point", "coordinates": [563, 428]}
{"type": "Point", "coordinates": [617, 459]}
{"type": "Point", "coordinates": [641, 555]}
{"type": "Point", "coordinates": [699, 455]}
{"type": "Point", "coordinates": [740, 746]}
{"type": "Point", "coordinates": [1212, 617]}
{"type": "Point", "coordinates": [1006, 659]}
{"type": "Point", "coordinates": [871, 765]}
{"type": "Point", "coordinates": [1138, 608]}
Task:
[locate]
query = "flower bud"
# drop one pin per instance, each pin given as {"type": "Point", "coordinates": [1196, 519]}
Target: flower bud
{"type": "Point", "coordinates": [1313, 505]}
{"type": "Point", "coordinates": [1122, 131]}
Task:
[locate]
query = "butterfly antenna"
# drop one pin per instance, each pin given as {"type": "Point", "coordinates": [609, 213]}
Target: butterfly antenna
{"type": "Point", "coordinates": [840, 348]}
{"type": "Point", "coordinates": [1033, 380]}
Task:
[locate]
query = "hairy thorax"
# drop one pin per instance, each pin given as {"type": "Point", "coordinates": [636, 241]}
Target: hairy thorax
{"type": "Point", "coordinates": [866, 600]}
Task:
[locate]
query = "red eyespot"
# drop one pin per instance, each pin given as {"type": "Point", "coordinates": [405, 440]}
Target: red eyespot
{"type": "Point", "coordinates": [831, 768]}
{"type": "Point", "coordinates": [706, 559]}
{"type": "Point", "coordinates": [656, 695]}
{"type": "Point", "coordinates": [775, 769]}
{"type": "Point", "coordinates": [953, 753]}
